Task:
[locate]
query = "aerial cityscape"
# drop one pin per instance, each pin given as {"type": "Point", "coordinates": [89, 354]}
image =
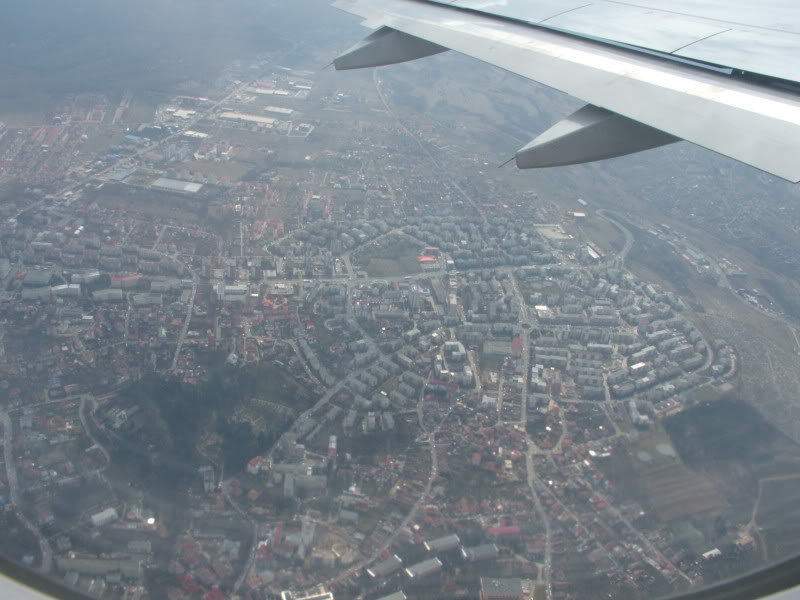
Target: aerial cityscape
{"type": "Point", "coordinates": [285, 333]}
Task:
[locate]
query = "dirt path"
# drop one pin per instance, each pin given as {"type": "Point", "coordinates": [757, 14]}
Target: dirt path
{"type": "Point", "coordinates": [752, 525]}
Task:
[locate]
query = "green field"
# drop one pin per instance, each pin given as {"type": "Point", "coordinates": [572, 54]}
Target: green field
{"type": "Point", "coordinates": [777, 516]}
{"type": "Point", "coordinates": [394, 261]}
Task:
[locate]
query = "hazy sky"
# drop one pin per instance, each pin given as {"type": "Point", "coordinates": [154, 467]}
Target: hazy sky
{"type": "Point", "coordinates": [51, 46]}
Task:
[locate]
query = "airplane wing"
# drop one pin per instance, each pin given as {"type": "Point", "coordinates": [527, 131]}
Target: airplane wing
{"type": "Point", "coordinates": [722, 74]}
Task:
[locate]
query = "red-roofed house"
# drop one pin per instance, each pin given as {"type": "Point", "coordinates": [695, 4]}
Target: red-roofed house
{"type": "Point", "coordinates": [503, 531]}
{"type": "Point", "coordinates": [215, 594]}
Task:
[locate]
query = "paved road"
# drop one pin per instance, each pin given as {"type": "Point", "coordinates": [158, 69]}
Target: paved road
{"type": "Point", "coordinates": [442, 172]}
{"type": "Point", "coordinates": [547, 574]}
{"type": "Point", "coordinates": [13, 485]}
{"type": "Point", "coordinates": [186, 321]}
{"type": "Point", "coordinates": [128, 315]}
{"type": "Point", "coordinates": [224, 484]}
{"type": "Point", "coordinates": [251, 557]}
{"type": "Point", "coordinates": [641, 537]}
{"type": "Point", "coordinates": [88, 430]}
{"type": "Point", "coordinates": [423, 498]}
{"type": "Point", "coordinates": [615, 219]}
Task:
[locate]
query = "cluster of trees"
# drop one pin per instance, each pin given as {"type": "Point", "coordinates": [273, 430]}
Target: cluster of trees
{"type": "Point", "coordinates": [729, 429]}
{"type": "Point", "coordinates": [177, 415]}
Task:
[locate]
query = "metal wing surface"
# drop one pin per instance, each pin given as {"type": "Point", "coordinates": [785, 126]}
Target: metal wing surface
{"type": "Point", "coordinates": [719, 73]}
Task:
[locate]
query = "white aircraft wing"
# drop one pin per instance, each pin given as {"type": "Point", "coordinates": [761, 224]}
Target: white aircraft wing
{"type": "Point", "coordinates": [722, 74]}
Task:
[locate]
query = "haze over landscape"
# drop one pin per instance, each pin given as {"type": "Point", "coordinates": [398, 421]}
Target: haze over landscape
{"type": "Point", "coordinates": [268, 330]}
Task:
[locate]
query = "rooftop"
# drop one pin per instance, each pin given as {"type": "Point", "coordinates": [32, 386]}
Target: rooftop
{"type": "Point", "coordinates": [500, 588]}
{"type": "Point", "coordinates": [176, 185]}
{"type": "Point", "coordinates": [235, 116]}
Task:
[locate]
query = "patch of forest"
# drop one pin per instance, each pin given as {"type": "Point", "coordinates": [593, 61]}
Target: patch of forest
{"type": "Point", "coordinates": [729, 429]}
{"type": "Point", "coordinates": [177, 416]}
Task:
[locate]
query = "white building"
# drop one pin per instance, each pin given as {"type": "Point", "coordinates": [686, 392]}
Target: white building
{"type": "Point", "coordinates": [104, 517]}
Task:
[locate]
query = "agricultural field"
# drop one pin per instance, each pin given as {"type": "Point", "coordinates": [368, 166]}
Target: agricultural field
{"type": "Point", "coordinates": [777, 515]}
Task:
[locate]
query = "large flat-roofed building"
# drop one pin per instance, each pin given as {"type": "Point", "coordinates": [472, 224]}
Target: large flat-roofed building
{"type": "Point", "coordinates": [128, 281]}
{"type": "Point", "coordinates": [67, 289]}
{"type": "Point", "coordinates": [87, 277]}
{"type": "Point", "coordinates": [259, 120]}
{"type": "Point", "coordinates": [104, 517]}
{"type": "Point", "coordinates": [38, 278]}
{"type": "Point", "coordinates": [316, 595]}
{"type": "Point", "coordinates": [501, 589]}
{"type": "Point", "coordinates": [278, 110]}
{"type": "Point", "coordinates": [443, 544]}
{"type": "Point", "coordinates": [424, 568]}
{"type": "Point", "coordinates": [108, 296]}
{"type": "Point", "coordinates": [175, 185]}
{"type": "Point", "coordinates": [101, 566]}
{"type": "Point", "coordinates": [395, 596]}
{"type": "Point", "coordinates": [385, 567]}
{"type": "Point", "coordinates": [268, 91]}
{"type": "Point", "coordinates": [147, 300]}
{"type": "Point", "coordinates": [239, 289]}
{"type": "Point", "coordinates": [483, 552]}
{"type": "Point", "coordinates": [281, 289]}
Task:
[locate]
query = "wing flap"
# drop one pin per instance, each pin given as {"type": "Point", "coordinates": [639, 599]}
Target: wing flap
{"type": "Point", "coordinates": [635, 26]}
{"type": "Point", "coordinates": [764, 52]}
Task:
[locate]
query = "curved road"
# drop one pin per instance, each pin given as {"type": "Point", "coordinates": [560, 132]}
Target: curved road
{"type": "Point", "coordinates": [13, 485]}
{"type": "Point", "coordinates": [88, 430]}
{"type": "Point", "coordinates": [629, 238]}
{"type": "Point", "coordinates": [424, 497]}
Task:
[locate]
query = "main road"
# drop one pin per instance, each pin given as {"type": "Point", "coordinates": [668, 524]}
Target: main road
{"type": "Point", "coordinates": [527, 323]}
{"type": "Point", "coordinates": [186, 321]}
{"type": "Point", "coordinates": [606, 214]}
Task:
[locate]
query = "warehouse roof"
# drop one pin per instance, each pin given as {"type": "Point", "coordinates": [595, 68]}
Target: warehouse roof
{"type": "Point", "coordinates": [175, 185]}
